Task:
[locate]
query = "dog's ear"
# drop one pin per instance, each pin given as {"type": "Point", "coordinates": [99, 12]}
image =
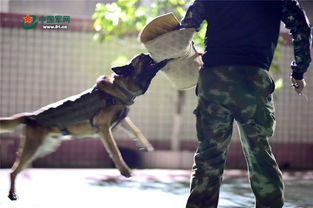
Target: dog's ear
{"type": "Point", "coordinates": [123, 70]}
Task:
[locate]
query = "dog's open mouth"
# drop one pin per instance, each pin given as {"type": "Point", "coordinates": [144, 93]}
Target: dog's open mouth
{"type": "Point", "coordinates": [148, 61]}
{"type": "Point", "coordinates": [155, 66]}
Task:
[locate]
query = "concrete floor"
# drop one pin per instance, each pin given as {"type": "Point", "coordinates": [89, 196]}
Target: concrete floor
{"type": "Point", "coordinates": [98, 188]}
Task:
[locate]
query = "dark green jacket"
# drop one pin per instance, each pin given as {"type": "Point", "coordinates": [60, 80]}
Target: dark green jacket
{"type": "Point", "coordinates": [246, 32]}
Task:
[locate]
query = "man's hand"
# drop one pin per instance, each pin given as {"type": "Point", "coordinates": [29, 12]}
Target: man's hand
{"type": "Point", "coordinates": [298, 85]}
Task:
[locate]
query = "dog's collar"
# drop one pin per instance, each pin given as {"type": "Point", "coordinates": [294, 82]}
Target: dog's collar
{"type": "Point", "coordinates": [130, 95]}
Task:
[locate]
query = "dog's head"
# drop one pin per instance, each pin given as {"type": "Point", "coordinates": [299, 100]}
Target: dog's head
{"type": "Point", "coordinates": [137, 75]}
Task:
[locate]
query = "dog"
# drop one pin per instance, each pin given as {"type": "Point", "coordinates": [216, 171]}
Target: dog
{"type": "Point", "coordinates": [108, 99]}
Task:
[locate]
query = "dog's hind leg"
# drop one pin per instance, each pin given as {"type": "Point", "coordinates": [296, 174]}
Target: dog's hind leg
{"type": "Point", "coordinates": [111, 146]}
{"type": "Point", "coordinates": [140, 139]}
{"type": "Point", "coordinates": [28, 147]}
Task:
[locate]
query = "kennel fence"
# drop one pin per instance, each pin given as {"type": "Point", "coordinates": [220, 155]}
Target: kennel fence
{"type": "Point", "coordinates": [40, 66]}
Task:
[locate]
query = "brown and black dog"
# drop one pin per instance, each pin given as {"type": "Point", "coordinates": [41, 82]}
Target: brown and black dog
{"type": "Point", "coordinates": [108, 99]}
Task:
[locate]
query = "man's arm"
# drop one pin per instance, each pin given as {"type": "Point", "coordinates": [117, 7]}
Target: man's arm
{"type": "Point", "coordinates": [194, 15]}
{"type": "Point", "coordinates": [295, 19]}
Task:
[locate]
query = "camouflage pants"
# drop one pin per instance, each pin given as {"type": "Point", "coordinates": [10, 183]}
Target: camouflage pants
{"type": "Point", "coordinates": [244, 94]}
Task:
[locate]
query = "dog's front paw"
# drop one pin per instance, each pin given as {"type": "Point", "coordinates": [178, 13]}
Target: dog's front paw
{"type": "Point", "coordinates": [143, 144]}
{"type": "Point", "coordinates": [12, 196]}
{"type": "Point", "coordinates": [146, 148]}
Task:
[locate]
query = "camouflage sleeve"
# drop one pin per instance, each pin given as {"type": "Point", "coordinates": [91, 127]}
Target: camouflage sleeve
{"type": "Point", "coordinates": [194, 15]}
{"type": "Point", "coordinates": [295, 19]}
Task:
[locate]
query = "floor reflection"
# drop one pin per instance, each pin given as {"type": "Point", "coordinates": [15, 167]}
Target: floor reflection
{"type": "Point", "coordinates": [98, 188]}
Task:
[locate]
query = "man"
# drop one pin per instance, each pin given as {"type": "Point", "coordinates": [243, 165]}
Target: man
{"type": "Point", "coordinates": [234, 84]}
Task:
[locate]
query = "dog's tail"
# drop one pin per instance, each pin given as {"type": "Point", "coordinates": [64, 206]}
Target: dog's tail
{"type": "Point", "coordinates": [8, 124]}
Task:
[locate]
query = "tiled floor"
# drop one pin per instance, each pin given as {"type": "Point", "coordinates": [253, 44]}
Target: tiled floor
{"type": "Point", "coordinates": [99, 188]}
